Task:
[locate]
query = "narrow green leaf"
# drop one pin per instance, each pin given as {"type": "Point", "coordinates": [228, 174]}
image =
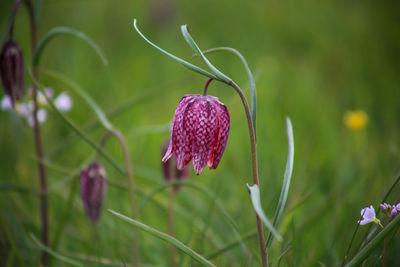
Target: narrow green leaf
{"type": "Point", "coordinates": [221, 77]}
{"type": "Point", "coordinates": [75, 128]}
{"type": "Point", "coordinates": [55, 254]}
{"type": "Point", "coordinates": [12, 239]}
{"type": "Point", "coordinates": [167, 238]}
{"type": "Point", "coordinates": [250, 76]}
{"type": "Point", "coordinates": [231, 245]}
{"type": "Point", "coordinates": [183, 62]}
{"type": "Point", "coordinates": [254, 191]}
{"type": "Point", "coordinates": [17, 188]}
{"type": "Point", "coordinates": [286, 180]}
{"type": "Point", "coordinates": [66, 31]}
{"type": "Point", "coordinates": [203, 190]}
{"type": "Point", "coordinates": [89, 100]}
{"type": "Point", "coordinates": [368, 249]}
{"type": "Point", "coordinates": [38, 9]}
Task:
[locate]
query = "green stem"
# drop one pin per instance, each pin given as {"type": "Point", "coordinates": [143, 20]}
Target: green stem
{"type": "Point", "coordinates": [38, 143]}
{"type": "Point", "coordinates": [171, 226]}
{"type": "Point", "coordinates": [260, 230]}
{"type": "Point", "coordinates": [121, 140]}
{"type": "Point", "coordinates": [206, 86]}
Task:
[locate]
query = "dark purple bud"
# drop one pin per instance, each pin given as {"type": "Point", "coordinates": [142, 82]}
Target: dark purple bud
{"type": "Point", "coordinates": [12, 70]}
{"type": "Point", "coordinates": [170, 170]}
{"type": "Point", "coordinates": [199, 132]}
{"type": "Point", "coordinates": [93, 190]}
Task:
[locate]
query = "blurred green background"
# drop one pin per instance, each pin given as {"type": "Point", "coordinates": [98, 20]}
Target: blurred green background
{"type": "Point", "coordinates": [313, 61]}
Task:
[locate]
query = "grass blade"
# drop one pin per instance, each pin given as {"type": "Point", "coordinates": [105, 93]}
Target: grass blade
{"type": "Point", "coordinates": [89, 100]}
{"type": "Point", "coordinates": [250, 76]}
{"type": "Point", "coordinates": [254, 191]}
{"type": "Point", "coordinates": [232, 244]}
{"type": "Point", "coordinates": [55, 254]}
{"type": "Point", "coordinates": [75, 128]}
{"type": "Point", "coordinates": [206, 192]}
{"type": "Point", "coordinates": [66, 31]}
{"type": "Point", "coordinates": [183, 62]}
{"type": "Point", "coordinates": [220, 76]}
{"type": "Point", "coordinates": [167, 238]}
{"type": "Point", "coordinates": [368, 249]}
{"type": "Point", "coordinates": [286, 180]}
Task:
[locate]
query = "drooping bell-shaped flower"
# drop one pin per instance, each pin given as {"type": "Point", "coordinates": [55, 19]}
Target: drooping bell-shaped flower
{"type": "Point", "coordinates": [93, 189]}
{"type": "Point", "coordinates": [199, 132]}
{"type": "Point", "coordinates": [169, 169]}
{"type": "Point", "coordinates": [12, 71]}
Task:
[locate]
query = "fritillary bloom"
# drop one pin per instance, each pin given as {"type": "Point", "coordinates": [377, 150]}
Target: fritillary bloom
{"type": "Point", "coordinates": [93, 189]}
{"type": "Point", "coordinates": [12, 71]}
{"type": "Point", "coordinates": [199, 132]}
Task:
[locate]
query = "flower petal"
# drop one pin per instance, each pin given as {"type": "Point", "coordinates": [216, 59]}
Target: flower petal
{"type": "Point", "coordinates": [179, 139]}
{"type": "Point", "coordinates": [222, 136]}
{"type": "Point", "coordinates": [201, 123]}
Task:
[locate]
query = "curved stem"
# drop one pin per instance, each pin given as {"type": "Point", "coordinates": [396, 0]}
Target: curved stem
{"type": "Point", "coordinates": [260, 230]}
{"type": "Point", "coordinates": [118, 135]}
{"type": "Point", "coordinates": [38, 143]}
{"type": "Point", "coordinates": [206, 86]}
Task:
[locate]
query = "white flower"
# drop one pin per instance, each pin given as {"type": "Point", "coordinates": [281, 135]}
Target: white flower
{"type": "Point", "coordinates": [369, 216]}
{"type": "Point", "coordinates": [42, 115]}
{"type": "Point", "coordinates": [41, 99]}
{"type": "Point", "coordinates": [6, 103]}
{"type": "Point", "coordinates": [63, 102]}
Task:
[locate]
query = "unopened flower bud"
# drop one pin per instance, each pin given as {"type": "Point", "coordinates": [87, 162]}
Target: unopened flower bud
{"type": "Point", "coordinates": [12, 70]}
{"type": "Point", "coordinates": [93, 189]}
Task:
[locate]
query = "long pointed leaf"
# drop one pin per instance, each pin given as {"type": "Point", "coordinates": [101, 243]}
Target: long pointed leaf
{"type": "Point", "coordinates": [183, 62]}
{"type": "Point", "coordinates": [221, 77]}
{"type": "Point", "coordinates": [167, 238]}
{"type": "Point", "coordinates": [55, 254]}
{"type": "Point", "coordinates": [286, 180]}
{"type": "Point", "coordinates": [66, 31]}
{"type": "Point", "coordinates": [255, 200]}
{"type": "Point", "coordinates": [75, 128]}
{"type": "Point", "coordinates": [89, 100]}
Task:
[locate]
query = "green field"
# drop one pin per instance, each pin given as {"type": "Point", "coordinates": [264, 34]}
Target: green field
{"type": "Point", "coordinates": [312, 61]}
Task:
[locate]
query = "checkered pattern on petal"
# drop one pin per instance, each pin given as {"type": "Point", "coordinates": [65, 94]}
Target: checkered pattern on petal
{"type": "Point", "coordinates": [222, 136]}
{"type": "Point", "coordinates": [201, 122]}
{"type": "Point", "coordinates": [176, 127]}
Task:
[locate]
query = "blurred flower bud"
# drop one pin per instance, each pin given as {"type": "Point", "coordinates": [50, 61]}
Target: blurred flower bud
{"type": "Point", "coordinates": [170, 170]}
{"type": "Point", "coordinates": [12, 70]}
{"type": "Point", "coordinates": [93, 190]}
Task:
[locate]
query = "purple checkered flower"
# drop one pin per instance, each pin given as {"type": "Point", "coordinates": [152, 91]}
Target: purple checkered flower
{"type": "Point", "coordinates": [12, 71]}
{"type": "Point", "coordinates": [369, 216]}
{"type": "Point", "coordinates": [93, 190]}
{"type": "Point", "coordinates": [199, 132]}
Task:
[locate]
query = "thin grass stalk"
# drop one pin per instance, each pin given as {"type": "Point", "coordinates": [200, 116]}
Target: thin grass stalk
{"type": "Point", "coordinates": [171, 226]}
{"type": "Point", "coordinates": [129, 172]}
{"type": "Point", "coordinates": [38, 142]}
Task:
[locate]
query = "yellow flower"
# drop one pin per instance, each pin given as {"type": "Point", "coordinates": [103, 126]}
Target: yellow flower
{"type": "Point", "coordinates": [356, 120]}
